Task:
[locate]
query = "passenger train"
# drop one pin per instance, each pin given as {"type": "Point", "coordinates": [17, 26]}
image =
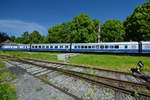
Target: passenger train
{"type": "Point", "coordinates": [103, 47]}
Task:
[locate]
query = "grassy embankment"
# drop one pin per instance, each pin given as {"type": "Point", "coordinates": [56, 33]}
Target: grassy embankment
{"type": "Point", "coordinates": [7, 89]}
{"type": "Point", "coordinates": [34, 55]}
{"type": "Point", "coordinates": [114, 62]}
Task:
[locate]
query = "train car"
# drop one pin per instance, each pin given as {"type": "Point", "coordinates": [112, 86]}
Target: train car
{"type": "Point", "coordinates": [145, 47]}
{"type": "Point", "coordinates": [63, 47]}
{"type": "Point", "coordinates": [15, 47]}
{"type": "Point", "coordinates": [108, 47]}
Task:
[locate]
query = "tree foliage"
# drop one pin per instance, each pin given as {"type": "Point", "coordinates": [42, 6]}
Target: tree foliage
{"type": "Point", "coordinates": [23, 39]}
{"type": "Point", "coordinates": [82, 29]}
{"type": "Point", "coordinates": [137, 25]}
{"type": "Point", "coordinates": [35, 37]}
{"type": "Point", "coordinates": [59, 33]}
{"type": "Point", "coordinates": [3, 37]}
{"type": "Point", "coordinates": [13, 38]}
{"type": "Point", "coordinates": [112, 31]}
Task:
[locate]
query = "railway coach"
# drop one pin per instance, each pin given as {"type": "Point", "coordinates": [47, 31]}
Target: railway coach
{"type": "Point", "coordinates": [116, 47]}
{"type": "Point", "coordinates": [15, 47]}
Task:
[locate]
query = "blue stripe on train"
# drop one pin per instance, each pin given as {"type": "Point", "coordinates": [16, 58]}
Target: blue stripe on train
{"type": "Point", "coordinates": [145, 51]}
{"type": "Point", "coordinates": [106, 50]}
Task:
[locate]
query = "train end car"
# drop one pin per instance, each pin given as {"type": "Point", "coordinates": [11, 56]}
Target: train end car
{"type": "Point", "coordinates": [15, 47]}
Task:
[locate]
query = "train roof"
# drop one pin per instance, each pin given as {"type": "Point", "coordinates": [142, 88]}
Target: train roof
{"type": "Point", "coordinates": [107, 43]}
{"type": "Point", "coordinates": [145, 42]}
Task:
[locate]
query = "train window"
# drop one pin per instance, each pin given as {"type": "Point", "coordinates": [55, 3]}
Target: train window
{"type": "Point", "coordinates": [39, 46]}
{"type": "Point", "coordinates": [43, 46]}
{"type": "Point", "coordinates": [106, 46]}
{"type": "Point", "coordinates": [133, 46]}
{"type": "Point", "coordinates": [125, 46]}
{"type": "Point", "coordinates": [32, 46]}
{"type": "Point", "coordinates": [75, 46]}
{"type": "Point", "coordinates": [61, 46]}
{"type": "Point", "coordinates": [82, 46]}
{"type": "Point", "coordinates": [35, 46]}
{"type": "Point", "coordinates": [97, 46]}
{"type": "Point", "coordinates": [66, 46]}
{"type": "Point", "coordinates": [116, 46]}
{"type": "Point", "coordinates": [111, 46]}
{"type": "Point", "coordinates": [85, 46]}
{"type": "Point", "coordinates": [93, 46]}
{"type": "Point", "coordinates": [47, 46]}
{"type": "Point", "coordinates": [147, 46]}
{"type": "Point", "coordinates": [89, 46]}
{"type": "Point", "coordinates": [56, 46]}
{"type": "Point", "coordinates": [51, 46]}
{"type": "Point", "coordinates": [102, 46]}
{"type": "Point", "coordinates": [78, 46]}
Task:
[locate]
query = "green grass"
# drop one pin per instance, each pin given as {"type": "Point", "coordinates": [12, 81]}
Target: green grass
{"type": "Point", "coordinates": [2, 65]}
{"type": "Point", "coordinates": [7, 90]}
{"type": "Point", "coordinates": [34, 55]}
{"type": "Point", "coordinates": [112, 62]}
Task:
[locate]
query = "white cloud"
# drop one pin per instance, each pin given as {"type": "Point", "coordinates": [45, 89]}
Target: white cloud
{"type": "Point", "coordinates": [17, 27]}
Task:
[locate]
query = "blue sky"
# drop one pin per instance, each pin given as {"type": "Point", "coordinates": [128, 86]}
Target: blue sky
{"type": "Point", "coordinates": [18, 16]}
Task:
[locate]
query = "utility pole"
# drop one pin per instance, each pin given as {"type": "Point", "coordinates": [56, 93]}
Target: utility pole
{"type": "Point", "coordinates": [99, 37]}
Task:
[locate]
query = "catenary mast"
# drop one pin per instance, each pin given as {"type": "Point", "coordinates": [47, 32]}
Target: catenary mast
{"type": "Point", "coordinates": [99, 31]}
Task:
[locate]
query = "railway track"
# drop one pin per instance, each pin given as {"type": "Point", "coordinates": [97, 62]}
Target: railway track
{"type": "Point", "coordinates": [86, 73]}
{"type": "Point", "coordinates": [124, 76]}
{"type": "Point", "coordinates": [65, 78]}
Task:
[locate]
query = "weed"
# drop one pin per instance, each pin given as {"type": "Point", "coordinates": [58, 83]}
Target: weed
{"type": "Point", "coordinates": [39, 89]}
{"type": "Point", "coordinates": [54, 98]}
{"type": "Point", "coordinates": [145, 91]}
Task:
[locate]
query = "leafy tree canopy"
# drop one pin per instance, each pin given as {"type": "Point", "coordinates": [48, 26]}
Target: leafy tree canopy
{"type": "Point", "coordinates": [3, 37]}
{"type": "Point", "coordinates": [23, 39]}
{"type": "Point", "coordinates": [112, 31]}
{"type": "Point", "coordinates": [137, 25]}
{"type": "Point", "coordinates": [35, 37]}
{"type": "Point", "coordinates": [83, 29]}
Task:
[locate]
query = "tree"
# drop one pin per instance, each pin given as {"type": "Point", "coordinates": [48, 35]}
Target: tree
{"type": "Point", "coordinates": [112, 31]}
{"type": "Point", "coordinates": [19, 40]}
{"type": "Point", "coordinates": [3, 37]}
{"type": "Point", "coordinates": [82, 29]}
{"type": "Point", "coordinates": [35, 37]}
{"type": "Point", "coordinates": [13, 38]}
{"type": "Point", "coordinates": [25, 37]}
{"type": "Point", "coordinates": [59, 33]}
{"type": "Point", "coordinates": [137, 25]}
{"type": "Point", "coordinates": [54, 34]}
